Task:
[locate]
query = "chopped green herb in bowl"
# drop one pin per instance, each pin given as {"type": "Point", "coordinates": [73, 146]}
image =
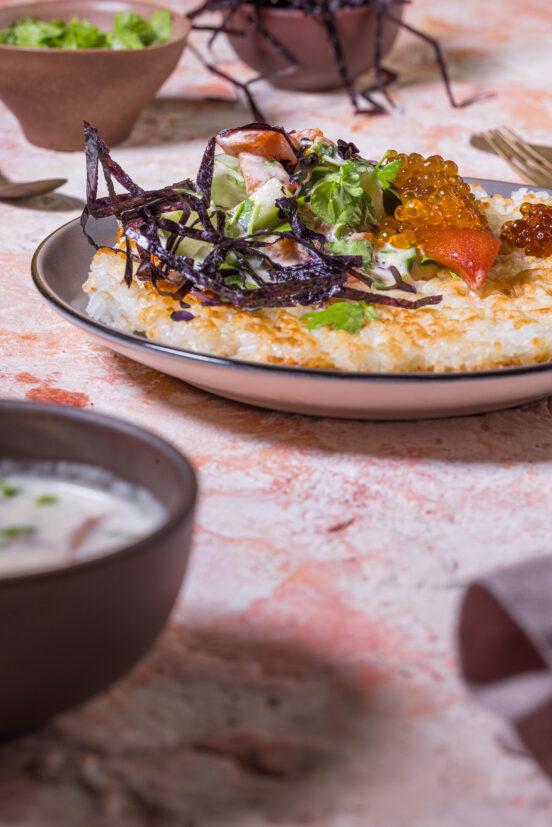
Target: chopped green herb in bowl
{"type": "Point", "coordinates": [130, 31]}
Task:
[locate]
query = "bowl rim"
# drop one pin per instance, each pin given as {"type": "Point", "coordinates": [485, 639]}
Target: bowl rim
{"type": "Point", "coordinates": [42, 50]}
{"type": "Point", "coordinates": [170, 521]}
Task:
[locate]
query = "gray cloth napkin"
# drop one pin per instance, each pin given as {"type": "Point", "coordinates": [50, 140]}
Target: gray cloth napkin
{"type": "Point", "coordinates": [505, 647]}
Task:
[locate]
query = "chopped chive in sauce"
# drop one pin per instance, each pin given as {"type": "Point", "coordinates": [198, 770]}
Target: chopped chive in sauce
{"type": "Point", "coordinates": [9, 490]}
{"type": "Point", "coordinates": [14, 531]}
{"type": "Point", "coordinates": [47, 499]}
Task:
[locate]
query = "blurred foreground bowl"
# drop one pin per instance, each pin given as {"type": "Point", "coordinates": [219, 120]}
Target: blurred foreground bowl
{"type": "Point", "coordinates": [68, 633]}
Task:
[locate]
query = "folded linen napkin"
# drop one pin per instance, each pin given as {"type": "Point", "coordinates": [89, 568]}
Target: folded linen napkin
{"type": "Point", "coordinates": [505, 647]}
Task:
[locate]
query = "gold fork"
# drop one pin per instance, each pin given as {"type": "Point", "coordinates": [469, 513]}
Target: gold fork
{"type": "Point", "coordinates": [521, 156]}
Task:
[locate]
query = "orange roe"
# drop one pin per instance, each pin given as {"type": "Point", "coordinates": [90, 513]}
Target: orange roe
{"type": "Point", "coordinates": [433, 197]}
{"type": "Point", "coordinates": [533, 232]}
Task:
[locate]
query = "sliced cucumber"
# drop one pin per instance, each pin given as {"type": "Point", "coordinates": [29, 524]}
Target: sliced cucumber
{"type": "Point", "coordinates": [190, 247]}
{"type": "Point", "coordinates": [228, 187]}
{"type": "Point", "coordinates": [259, 211]}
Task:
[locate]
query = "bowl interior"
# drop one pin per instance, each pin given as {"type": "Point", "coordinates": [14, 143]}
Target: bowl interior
{"type": "Point", "coordinates": [35, 431]}
{"type": "Point", "coordinates": [99, 12]}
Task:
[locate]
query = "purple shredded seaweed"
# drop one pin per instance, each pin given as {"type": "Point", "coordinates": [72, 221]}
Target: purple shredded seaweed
{"type": "Point", "coordinates": [182, 316]}
{"type": "Point", "coordinates": [322, 276]}
{"type": "Point", "coordinates": [204, 178]}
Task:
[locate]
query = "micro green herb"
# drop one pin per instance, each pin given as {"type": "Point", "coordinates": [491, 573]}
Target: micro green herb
{"type": "Point", "coordinates": [9, 490]}
{"type": "Point", "coordinates": [352, 247]}
{"type": "Point", "coordinates": [339, 198]}
{"type": "Point", "coordinates": [348, 316]}
{"type": "Point", "coordinates": [47, 499]}
{"type": "Point", "coordinates": [387, 174]}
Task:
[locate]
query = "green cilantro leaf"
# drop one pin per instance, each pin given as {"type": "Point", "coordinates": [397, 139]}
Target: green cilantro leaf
{"type": "Point", "coordinates": [353, 247]}
{"type": "Point", "coordinates": [340, 198]}
{"type": "Point", "coordinates": [388, 173]}
{"type": "Point", "coordinates": [348, 316]}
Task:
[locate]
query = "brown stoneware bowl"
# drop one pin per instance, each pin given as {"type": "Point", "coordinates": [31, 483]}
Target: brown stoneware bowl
{"type": "Point", "coordinates": [51, 91]}
{"type": "Point", "coordinates": [68, 633]}
{"type": "Point", "coordinates": [305, 37]}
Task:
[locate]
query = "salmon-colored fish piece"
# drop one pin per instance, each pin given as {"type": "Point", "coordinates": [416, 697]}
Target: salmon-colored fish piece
{"type": "Point", "coordinates": [257, 171]}
{"type": "Point", "coordinates": [469, 253]}
{"type": "Point", "coordinates": [261, 142]}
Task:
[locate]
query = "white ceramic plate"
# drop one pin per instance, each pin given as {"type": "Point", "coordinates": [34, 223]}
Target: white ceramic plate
{"type": "Point", "coordinates": [60, 267]}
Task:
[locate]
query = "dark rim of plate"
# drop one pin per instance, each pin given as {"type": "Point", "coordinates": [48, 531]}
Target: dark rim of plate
{"type": "Point", "coordinates": [291, 370]}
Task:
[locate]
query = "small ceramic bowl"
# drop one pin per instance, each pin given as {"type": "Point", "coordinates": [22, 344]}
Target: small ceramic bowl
{"type": "Point", "coordinates": [68, 633]}
{"type": "Point", "coordinates": [51, 91]}
{"type": "Point", "coordinates": [305, 37]}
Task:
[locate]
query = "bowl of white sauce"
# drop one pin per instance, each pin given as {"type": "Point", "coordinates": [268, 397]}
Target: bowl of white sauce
{"type": "Point", "coordinates": [96, 518]}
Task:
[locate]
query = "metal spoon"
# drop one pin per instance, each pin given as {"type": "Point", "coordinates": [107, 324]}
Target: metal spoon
{"type": "Point", "coordinates": [25, 189]}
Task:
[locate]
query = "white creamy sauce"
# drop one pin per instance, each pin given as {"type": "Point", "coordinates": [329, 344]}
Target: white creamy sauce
{"type": "Point", "coordinates": [58, 514]}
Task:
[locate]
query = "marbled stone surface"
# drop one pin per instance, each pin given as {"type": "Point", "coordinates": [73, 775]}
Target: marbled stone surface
{"type": "Point", "coordinates": [308, 675]}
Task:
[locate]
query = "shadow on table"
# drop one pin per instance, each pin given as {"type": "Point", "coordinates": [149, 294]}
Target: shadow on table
{"type": "Point", "coordinates": [414, 60]}
{"type": "Point", "coordinates": [179, 119]}
{"type": "Point", "coordinates": [50, 202]}
{"type": "Point", "coordinates": [517, 435]}
{"type": "Point", "coordinates": [210, 727]}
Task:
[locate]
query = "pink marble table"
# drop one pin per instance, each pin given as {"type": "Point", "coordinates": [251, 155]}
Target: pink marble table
{"type": "Point", "coordinates": [308, 675]}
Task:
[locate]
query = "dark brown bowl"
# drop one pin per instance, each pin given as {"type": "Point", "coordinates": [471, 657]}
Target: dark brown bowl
{"type": "Point", "coordinates": [51, 91]}
{"type": "Point", "coordinates": [68, 633]}
{"type": "Point", "coordinates": [305, 37]}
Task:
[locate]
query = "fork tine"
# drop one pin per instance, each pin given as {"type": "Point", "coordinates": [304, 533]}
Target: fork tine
{"type": "Point", "coordinates": [536, 175]}
{"type": "Point", "coordinates": [529, 150]}
{"type": "Point", "coordinates": [512, 150]}
{"type": "Point", "coordinates": [541, 177]}
{"type": "Point", "coordinates": [497, 147]}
